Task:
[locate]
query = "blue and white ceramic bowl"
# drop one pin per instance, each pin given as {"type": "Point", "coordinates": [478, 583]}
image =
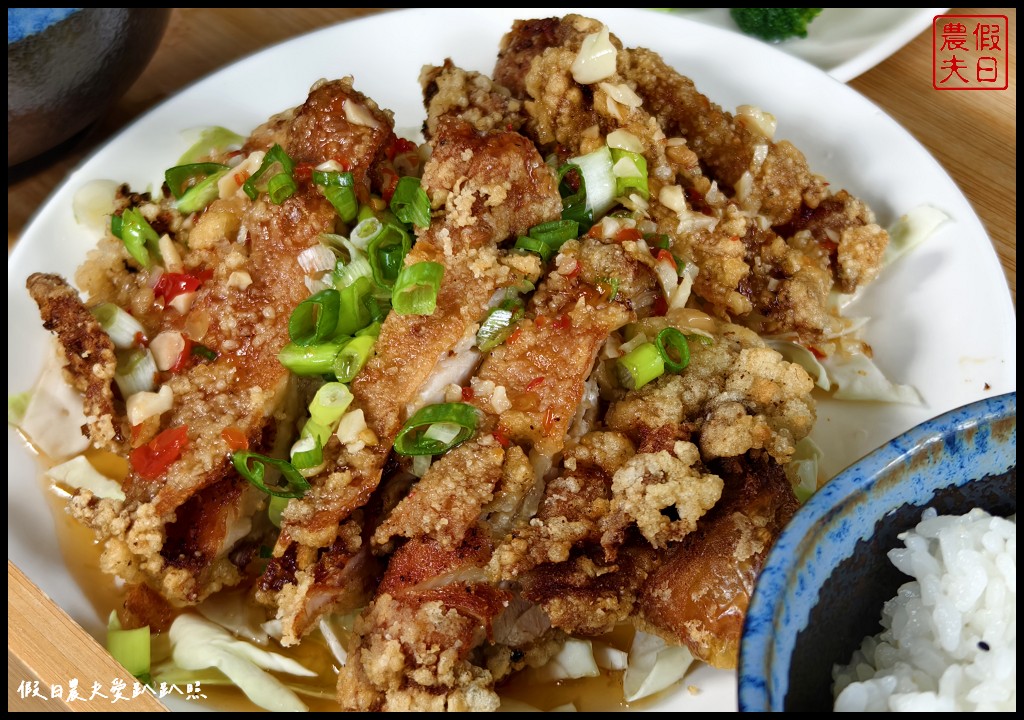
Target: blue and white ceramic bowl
{"type": "Point", "coordinates": [65, 66]}
{"type": "Point", "coordinates": [823, 586]}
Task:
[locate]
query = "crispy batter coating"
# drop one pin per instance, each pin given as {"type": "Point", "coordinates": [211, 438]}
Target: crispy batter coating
{"type": "Point", "coordinates": [700, 593]}
{"type": "Point", "coordinates": [88, 353]}
{"type": "Point", "coordinates": [449, 90]}
{"type": "Point", "coordinates": [739, 394]}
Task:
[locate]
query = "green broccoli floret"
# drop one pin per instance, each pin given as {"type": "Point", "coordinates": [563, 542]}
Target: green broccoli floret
{"type": "Point", "coordinates": [774, 23]}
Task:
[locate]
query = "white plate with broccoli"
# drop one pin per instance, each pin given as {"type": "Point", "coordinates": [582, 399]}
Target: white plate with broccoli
{"type": "Point", "coordinates": [844, 42]}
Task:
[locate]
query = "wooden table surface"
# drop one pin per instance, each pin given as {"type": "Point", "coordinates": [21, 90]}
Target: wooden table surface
{"type": "Point", "coordinates": [973, 134]}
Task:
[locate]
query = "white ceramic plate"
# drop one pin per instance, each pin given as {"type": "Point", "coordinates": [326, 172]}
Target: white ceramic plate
{"type": "Point", "coordinates": [943, 319]}
{"type": "Point", "coordinates": [844, 42]}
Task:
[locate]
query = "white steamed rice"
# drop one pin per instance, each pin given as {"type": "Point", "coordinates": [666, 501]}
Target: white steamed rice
{"type": "Point", "coordinates": [950, 637]}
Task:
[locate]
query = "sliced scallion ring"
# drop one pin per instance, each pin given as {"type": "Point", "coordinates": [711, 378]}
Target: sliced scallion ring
{"type": "Point", "coordinates": [311, 359]}
{"type": "Point", "coordinates": [205, 192]}
{"type": "Point", "coordinates": [410, 203]}
{"type": "Point", "coordinates": [414, 439]}
{"type": "Point", "coordinates": [307, 453]}
{"type": "Point", "coordinates": [416, 289]}
{"type": "Point", "coordinates": [353, 308]}
{"type": "Point", "coordinates": [572, 186]}
{"type": "Point", "coordinates": [353, 357]}
{"type": "Point", "coordinates": [138, 235]}
{"type": "Point", "coordinates": [365, 232]}
{"type": "Point", "coordinates": [630, 171]}
{"type": "Point", "coordinates": [556, 232]}
{"type": "Point", "coordinates": [671, 341]}
{"type": "Point", "coordinates": [315, 319]}
{"type": "Point", "coordinates": [499, 324]}
{"type": "Point", "coordinates": [538, 247]}
{"type": "Point", "coordinates": [329, 404]}
{"type": "Point", "coordinates": [181, 178]}
{"type": "Point", "coordinates": [339, 189]}
{"type": "Point", "coordinates": [276, 157]}
{"type": "Point", "coordinates": [639, 366]}
{"type": "Point", "coordinates": [386, 252]}
{"type": "Point", "coordinates": [253, 467]}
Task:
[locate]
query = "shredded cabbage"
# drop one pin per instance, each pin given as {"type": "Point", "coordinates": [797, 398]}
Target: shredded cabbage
{"type": "Point", "coordinates": [54, 417]}
{"type": "Point", "coordinates": [79, 474]}
{"type": "Point", "coordinates": [911, 230]}
{"type": "Point", "coordinates": [653, 666]}
{"type": "Point", "coordinates": [574, 660]}
{"type": "Point", "coordinates": [802, 470]}
{"type": "Point", "coordinates": [198, 644]}
{"type": "Point", "coordinates": [858, 378]}
{"type": "Point", "coordinates": [799, 355]}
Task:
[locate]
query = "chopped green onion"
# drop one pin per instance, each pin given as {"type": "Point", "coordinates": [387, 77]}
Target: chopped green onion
{"type": "Point", "coordinates": [574, 199]}
{"type": "Point", "coordinates": [499, 324]}
{"type": "Point", "coordinates": [131, 648]}
{"type": "Point", "coordinates": [365, 213]}
{"type": "Point", "coordinates": [702, 339]}
{"type": "Point", "coordinates": [610, 285]}
{"type": "Point", "coordinates": [345, 275]}
{"type": "Point", "coordinates": [213, 141]}
{"type": "Point", "coordinates": [365, 232]}
{"type": "Point", "coordinates": [639, 366]}
{"type": "Point", "coordinates": [329, 404]}
{"type": "Point", "coordinates": [630, 171]}
{"type": "Point", "coordinates": [353, 357]}
{"type": "Point", "coordinates": [410, 203]}
{"type": "Point", "coordinates": [598, 180]}
{"type": "Point", "coordinates": [372, 330]}
{"type": "Point", "coordinates": [416, 289]}
{"type": "Point", "coordinates": [204, 352]}
{"type": "Point", "coordinates": [136, 372]}
{"type": "Point", "coordinates": [182, 177]}
{"type": "Point", "coordinates": [276, 156]}
{"type": "Point", "coordinates": [280, 188]}
{"type": "Point", "coordinates": [442, 432]}
{"type": "Point", "coordinates": [659, 240]}
{"type": "Point", "coordinates": [315, 319]}
{"type": "Point", "coordinates": [198, 197]}
{"type": "Point", "coordinates": [116, 226]}
{"type": "Point", "coordinates": [311, 359]}
{"type": "Point", "coordinates": [123, 329]}
{"type": "Point", "coordinates": [556, 232]}
{"type": "Point", "coordinates": [274, 510]}
{"type": "Point", "coordinates": [386, 252]}
{"type": "Point", "coordinates": [378, 309]}
{"type": "Point", "coordinates": [538, 247]}
{"type": "Point", "coordinates": [671, 339]}
{"type": "Point", "coordinates": [138, 235]}
{"type": "Point", "coordinates": [413, 438]}
{"type": "Point", "coordinates": [307, 453]}
{"type": "Point", "coordinates": [354, 312]}
{"type": "Point", "coordinates": [253, 467]}
{"type": "Point", "coordinates": [339, 189]}
{"type": "Point", "coordinates": [313, 429]}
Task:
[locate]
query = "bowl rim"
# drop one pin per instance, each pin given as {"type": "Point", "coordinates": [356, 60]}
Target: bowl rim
{"type": "Point", "coordinates": [783, 562]}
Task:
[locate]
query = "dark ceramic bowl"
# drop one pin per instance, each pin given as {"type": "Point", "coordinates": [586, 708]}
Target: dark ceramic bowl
{"type": "Point", "coordinates": [65, 66]}
{"type": "Point", "coordinates": [823, 586]}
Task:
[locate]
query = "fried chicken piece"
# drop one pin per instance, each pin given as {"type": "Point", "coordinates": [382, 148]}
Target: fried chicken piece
{"type": "Point", "coordinates": [414, 644]}
{"type": "Point", "coordinates": [738, 183]}
{"type": "Point", "coordinates": [587, 595]}
{"type": "Point", "coordinates": [700, 593]}
{"type": "Point", "coordinates": [451, 91]}
{"type": "Point", "coordinates": [738, 394]}
{"type": "Point", "coordinates": [573, 507]}
{"type": "Point", "coordinates": [88, 353]}
{"type": "Point", "coordinates": [191, 531]}
{"type": "Point", "coordinates": [492, 186]}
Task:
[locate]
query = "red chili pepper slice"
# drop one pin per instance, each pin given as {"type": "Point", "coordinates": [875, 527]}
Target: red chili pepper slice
{"type": "Point", "coordinates": [467, 394]}
{"type": "Point", "coordinates": [534, 384]}
{"type": "Point", "coordinates": [627, 234]}
{"type": "Point", "coordinates": [235, 438]}
{"type": "Point", "coordinates": [151, 460]}
{"type": "Point", "coordinates": [666, 256]}
{"type": "Point", "coordinates": [549, 420]}
{"type": "Point", "coordinates": [171, 285]}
